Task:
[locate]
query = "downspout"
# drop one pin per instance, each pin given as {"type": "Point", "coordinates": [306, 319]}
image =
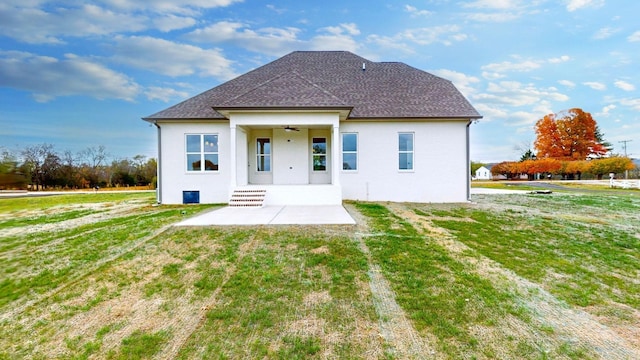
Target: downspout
{"type": "Point", "coordinates": [159, 169]}
{"type": "Point", "coordinates": [468, 162]}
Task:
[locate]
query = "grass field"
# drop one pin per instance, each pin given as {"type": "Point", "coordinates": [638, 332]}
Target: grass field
{"type": "Point", "coordinates": [521, 276]}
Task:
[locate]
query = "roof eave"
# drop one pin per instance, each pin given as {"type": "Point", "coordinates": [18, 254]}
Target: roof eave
{"type": "Point", "coordinates": [226, 111]}
{"type": "Point", "coordinates": [417, 118]}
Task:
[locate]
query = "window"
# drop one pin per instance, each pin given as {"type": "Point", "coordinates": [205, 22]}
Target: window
{"type": "Point", "coordinates": [263, 154]}
{"type": "Point", "coordinates": [319, 151]}
{"type": "Point", "coordinates": [405, 151]}
{"type": "Point", "coordinates": [202, 152]}
{"type": "Point", "coordinates": [349, 151]}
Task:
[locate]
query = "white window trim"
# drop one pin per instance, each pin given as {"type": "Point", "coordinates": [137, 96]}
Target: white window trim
{"type": "Point", "coordinates": [357, 152]}
{"type": "Point", "coordinates": [412, 151]}
{"type": "Point", "coordinates": [202, 154]}
{"type": "Point", "coordinates": [263, 155]}
{"type": "Point", "coordinates": [326, 154]}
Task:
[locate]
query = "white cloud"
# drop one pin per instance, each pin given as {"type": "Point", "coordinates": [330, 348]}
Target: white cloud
{"type": "Point", "coordinates": [164, 94]}
{"type": "Point", "coordinates": [491, 111]}
{"type": "Point", "coordinates": [446, 35]}
{"type": "Point", "coordinates": [573, 5]}
{"type": "Point", "coordinates": [493, 17]}
{"type": "Point", "coordinates": [492, 75]}
{"type": "Point", "coordinates": [512, 117]}
{"type": "Point", "coordinates": [463, 82]}
{"type": "Point", "coordinates": [567, 83]}
{"type": "Point", "coordinates": [389, 43]}
{"type": "Point", "coordinates": [275, 9]}
{"type": "Point", "coordinates": [278, 41]}
{"type": "Point", "coordinates": [190, 7]}
{"type": "Point", "coordinates": [635, 37]}
{"type": "Point", "coordinates": [349, 28]}
{"type": "Point", "coordinates": [605, 33]}
{"type": "Point", "coordinates": [171, 22]}
{"type": "Point", "coordinates": [508, 66]}
{"type": "Point", "coordinates": [415, 11]}
{"type": "Point", "coordinates": [514, 93]}
{"type": "Point", "coordinates": [337, 38]}
{"type": "Point", "coordinates": [48, 77]}
{"type": "Point", "coordinates": [170, 58]}
{"type": "Point", "coordinates": [36, 26]}
{"type": "Point", "coordinates": [595, 85]}
{"type": "Point", "coordinates": [492, 4]}
{"type": "Point", "coordinates": [561, 59]}
{"type": "Point", "coordinates": [620, 84]}
{"type": "Point", "coordinates": [497, 11]}
{"type": "Point", "coordinates": [525, 118]}
{"type": "Point", "coordinates": [270, 41]}
{"type": "Point", "coordinates": [606, 110]}
{"type": "Point", "coordinates": [632, 103]}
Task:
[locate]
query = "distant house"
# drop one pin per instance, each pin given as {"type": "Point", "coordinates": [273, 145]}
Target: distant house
{"type": "Point", "coordinates": [317, 128]}
{"type": "Point", "coordinates": [483, 173]}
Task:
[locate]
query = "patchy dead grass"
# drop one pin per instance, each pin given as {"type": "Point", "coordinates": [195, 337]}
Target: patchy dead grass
{"type": "Point", "coordinates": [397, 285]}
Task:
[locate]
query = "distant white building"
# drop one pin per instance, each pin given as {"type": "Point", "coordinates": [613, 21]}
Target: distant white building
{"type": "Point", "coordinates": [483, 174]}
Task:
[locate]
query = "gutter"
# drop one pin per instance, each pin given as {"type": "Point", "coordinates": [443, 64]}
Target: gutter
{"type": "Point", "coordinates": [159, 169]}
{"type": "Point", "coordinates": [469, 161]}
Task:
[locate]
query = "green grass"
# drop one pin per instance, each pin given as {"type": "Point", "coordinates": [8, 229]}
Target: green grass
{"type": "Point", "coordinates": [11, 205]}
{"type": "Point", "coordinates": [519, 185]}
{"type": "Point", "coordinates": [125, 285]}
{"type": "Point", "coordinates": [263, 311]}
{"type": "Point", "coordinates": [598, 256]}
{"type": "Point", "coordinates": [140, 345]}
{"type": "Point", "coordinates": [46, 219]}
{"type": "Point", "coordinates": [442, 295]}
{"type": "Point", "coordinates": [54, 258]}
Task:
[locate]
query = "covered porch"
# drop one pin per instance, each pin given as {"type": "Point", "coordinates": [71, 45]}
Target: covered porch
{"type": "Point", "coordinates": [293, 157]}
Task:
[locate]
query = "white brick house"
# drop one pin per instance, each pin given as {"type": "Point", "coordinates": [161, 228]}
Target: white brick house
{"type": "Point", "coordinates": [317, 128]}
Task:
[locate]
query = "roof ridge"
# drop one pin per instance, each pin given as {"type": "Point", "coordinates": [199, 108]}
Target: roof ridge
{"type": "Point", "coordinates": [295, 73]}
{"type": "Point", "coordinates": [319, 87]}
{"type": "Point", "coordinates": [271, 79]}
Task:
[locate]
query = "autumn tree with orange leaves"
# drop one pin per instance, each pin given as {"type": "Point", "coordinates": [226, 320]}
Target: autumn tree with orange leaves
{"type": "Point", "coordinates": [571, 135]}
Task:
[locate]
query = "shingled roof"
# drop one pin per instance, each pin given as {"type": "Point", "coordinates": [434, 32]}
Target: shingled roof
{"type": "Point", "coordinates": [331, 79]}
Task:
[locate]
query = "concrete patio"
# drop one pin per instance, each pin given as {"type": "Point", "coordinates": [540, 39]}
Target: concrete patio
{"type": "Point", "coordinates": [293, 215]}
{"type": "Point", "coordinates": [273, 215]}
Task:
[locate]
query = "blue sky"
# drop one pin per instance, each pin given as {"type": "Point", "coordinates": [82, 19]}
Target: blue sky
{"type": "Point", "coordinates": [77, 75]}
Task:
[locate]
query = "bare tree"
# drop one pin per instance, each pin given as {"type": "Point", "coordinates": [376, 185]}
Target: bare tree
{"type": "Point", "coordinates": [34, 159]}
{"type": "Point", "coordinates": [94, 159]}
{"type": "Point", "coordinates": [94, 156]}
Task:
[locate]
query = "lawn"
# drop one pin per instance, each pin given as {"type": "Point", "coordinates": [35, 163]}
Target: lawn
{"type": "Point", "coordinates": [507, 276]}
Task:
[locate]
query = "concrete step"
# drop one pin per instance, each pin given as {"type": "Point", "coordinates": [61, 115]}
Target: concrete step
{"type": "Point", "coordinates": [248, 198]}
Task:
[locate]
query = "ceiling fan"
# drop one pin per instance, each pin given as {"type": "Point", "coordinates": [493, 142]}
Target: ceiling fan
{"type": "Point", "coordinates": [289, 128]}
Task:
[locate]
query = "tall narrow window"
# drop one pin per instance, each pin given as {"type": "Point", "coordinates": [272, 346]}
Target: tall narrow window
{"type": "Point", "coordinates": [319, 151]}
{"type": "Point", "coordinates": [202, 152]}
{"type": "Point", "coordinates": [405, 151]}
{"type": "Point", "coordinates": [349, 151]}
{"type": "Point", "coordinates": [263, 154]}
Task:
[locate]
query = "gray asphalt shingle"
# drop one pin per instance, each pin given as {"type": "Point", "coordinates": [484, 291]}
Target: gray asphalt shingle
{"type": "Point", "coordinates": [331, 79]}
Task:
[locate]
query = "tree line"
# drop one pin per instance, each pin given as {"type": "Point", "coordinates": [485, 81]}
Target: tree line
{"type": "Point", "coordinates": [568, 169]}
{"type": "Point", "coordinates": [41, 167]}
{"type": "Point", "coordinates": [569, 144]}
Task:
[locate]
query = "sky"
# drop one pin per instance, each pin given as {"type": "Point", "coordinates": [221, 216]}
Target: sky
{"type": "Point", "coordinates": [79, 74]}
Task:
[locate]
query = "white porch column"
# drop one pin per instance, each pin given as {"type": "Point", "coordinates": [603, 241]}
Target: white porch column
{"type": "Point", "coordinates": [336, 160]}
{"type": "Point", "coordinates": [233, 176]}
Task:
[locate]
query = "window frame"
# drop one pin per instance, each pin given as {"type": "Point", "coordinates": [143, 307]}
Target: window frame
{"type": "Point", "coordinates": [350, 152]}
{"type": "Point", "coordinates": [407, 151]}
{"type": "Point", "coordinates": [202, 153]}
{"type": "Point", "coordinates": [319, 155]}
{"type": "Point", "coordinates": [263, 155]}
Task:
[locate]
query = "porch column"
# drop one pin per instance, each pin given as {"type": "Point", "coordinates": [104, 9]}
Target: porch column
{"type": "Point", "coordinates": [336, 161]}
{"type": "Point", "coordinates": [233, 176]}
